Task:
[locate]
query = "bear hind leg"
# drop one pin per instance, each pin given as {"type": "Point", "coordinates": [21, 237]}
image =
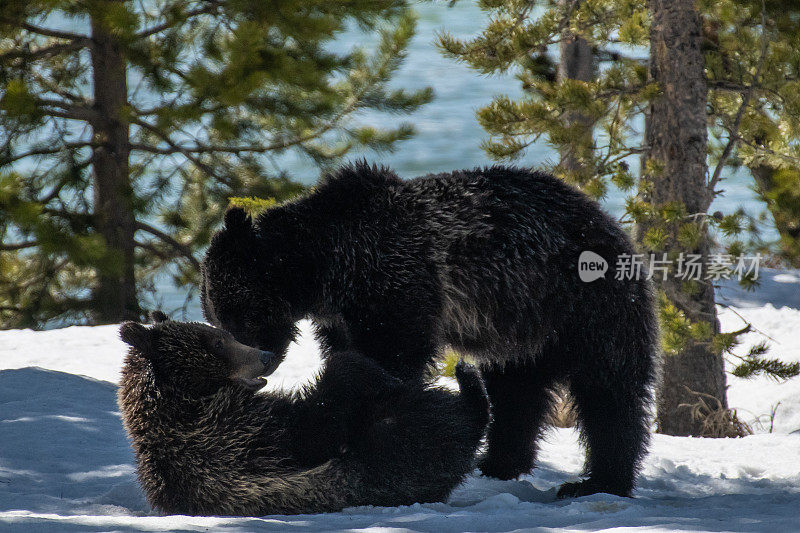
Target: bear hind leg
{"type": "Point", "coordinates": [614, 424]}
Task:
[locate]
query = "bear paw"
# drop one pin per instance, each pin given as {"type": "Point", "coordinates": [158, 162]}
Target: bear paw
{"type": "Point", "coordinates": [503, 470]}
{"type": "Point", "coordinates": [576, 489]}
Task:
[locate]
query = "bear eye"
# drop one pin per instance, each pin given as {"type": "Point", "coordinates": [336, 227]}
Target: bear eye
{"type": "Point", "coordinates": [218, 344]}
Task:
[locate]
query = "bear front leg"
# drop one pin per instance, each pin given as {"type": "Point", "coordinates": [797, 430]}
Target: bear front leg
{"type": "Point", "coordinates": [319, 434]}
{"type": "Point", "coordinates": [336, 409]}
{"type": "Point", "coordinates": [332, 336]}
{"type": "Point", "coordinates": [521, 398]}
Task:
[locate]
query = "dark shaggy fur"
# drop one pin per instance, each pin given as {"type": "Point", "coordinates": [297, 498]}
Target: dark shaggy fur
{"type": "Point", "coordinates": [483, 260]}
{"type": "Point", "coordinates": [208, 444]}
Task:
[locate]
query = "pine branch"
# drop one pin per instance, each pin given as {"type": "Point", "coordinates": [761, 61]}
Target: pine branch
{"type": "Point", "coordinates": [734, 137]}
{"type": "Point", "coordinates": [207, 10]}
{"type": "Point", "coordinates": [612, 56]}
{"type": "Point", "coordinates": [73, 111]}
{"type": "Point", "coordinates": [178, 149]}
{"type": "Point", "coordinates": [146, 112]}
{"type": "Point", "coordinates": [347, 109]}
{"type": "Point", "coordinates": [44, 151]}
{"type": "Point", "coordinates": [49, 270]}
{"type": "Point", "coordinates": [47, 32]}
{"type": "Point", "coordinates": [84, 219]}
{"type": "Point", "coordinates": [772, 368]}
{"type": "Point", "coordinates": [54, 88]}
{"type": "Point", "coordinates": [727, 85]}
{"type": "Point", "coordinates": [184, 250]}
{"type": "Point", "coordinates": [203, 148]}
{"type": "Point", "coordinates": [56, 191]}
{"type": "Point", "coordinates": [350, 106]}
{"type": "Point", "coordinates": [45, 52]}
{"type": "Point", "coordinates": [150, 247]}
{"type": "Point", "coordinates": [618, 91]}
{"type": "Point", "coordinates": [790, 160]}
{"type": "Point", "coordinates": [17, 246]}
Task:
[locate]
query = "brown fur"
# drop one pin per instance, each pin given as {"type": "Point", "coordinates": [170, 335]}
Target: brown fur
{"type": "Point", "coordinates": [211, 446]}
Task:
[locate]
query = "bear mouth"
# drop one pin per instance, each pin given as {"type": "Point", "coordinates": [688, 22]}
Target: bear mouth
{"type": "Point", "coordinates": [256, 383]}
{"type": "Point", "coordinates": [268, 362]}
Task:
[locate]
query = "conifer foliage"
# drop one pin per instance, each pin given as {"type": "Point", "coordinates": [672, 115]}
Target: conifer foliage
{"type": "Point", "coordinates": [674, 84]}
{"type": "Point", "coordinates": [125, 125]}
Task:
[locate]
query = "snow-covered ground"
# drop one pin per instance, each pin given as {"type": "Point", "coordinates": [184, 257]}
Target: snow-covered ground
{"type": "Point", "coordinates": [65, 462]}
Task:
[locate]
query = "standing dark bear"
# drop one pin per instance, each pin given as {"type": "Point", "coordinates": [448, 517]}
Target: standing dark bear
{"type": "Point", "coordinates": [207, 443]}
{"type": "Point", "coordinates": [483, 260]}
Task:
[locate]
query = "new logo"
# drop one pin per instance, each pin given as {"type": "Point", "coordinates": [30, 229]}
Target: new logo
{"type": "Point", "coordinates": [591, 266]}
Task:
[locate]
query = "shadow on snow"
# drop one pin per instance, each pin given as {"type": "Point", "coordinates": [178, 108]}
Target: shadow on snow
{"type": "Point", "coordinates": [66, 464]}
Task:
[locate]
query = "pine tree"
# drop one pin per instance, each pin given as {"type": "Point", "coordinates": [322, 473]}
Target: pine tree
{"type": "Point", "coordinates": [779, 188]}
{"type": "Point", "coordinates": [702, 69]}
{"type": "Point", "coordinates": [125, 126]}
{"type": "Point", "coordinates": [754, 77]}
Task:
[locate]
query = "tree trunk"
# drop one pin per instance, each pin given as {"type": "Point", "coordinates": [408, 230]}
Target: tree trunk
{"type": "Point", "coordinates": [576, 62]}
{"type": "Point", "coordinates": [114, 297]}
{"type": "Point", "coordinates": [676, 140]}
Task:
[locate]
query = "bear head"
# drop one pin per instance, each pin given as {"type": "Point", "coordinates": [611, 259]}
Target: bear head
{"type": "Point", "coordinates": [235, 293]}
{"type": "Point", "coordinates": [195, 358]}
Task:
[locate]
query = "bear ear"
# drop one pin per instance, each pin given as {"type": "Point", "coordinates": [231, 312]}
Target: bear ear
{"type": "Point", "coordinates": [137, 336]}
{"type": "Point", "coordinates": [157, 317]}
{"type": "Point", "coordinates": [237, 219]}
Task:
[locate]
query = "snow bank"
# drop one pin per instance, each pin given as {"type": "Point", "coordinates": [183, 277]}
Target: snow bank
{"type": "Point", "coordinates": [66, 464]}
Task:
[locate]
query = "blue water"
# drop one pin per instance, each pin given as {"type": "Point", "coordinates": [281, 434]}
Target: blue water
{"type": "Point", "coordinates": [448, 135]}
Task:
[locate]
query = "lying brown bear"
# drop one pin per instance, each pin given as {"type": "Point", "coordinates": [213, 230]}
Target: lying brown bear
{"type": "Point", "coordinates": [207, 443]}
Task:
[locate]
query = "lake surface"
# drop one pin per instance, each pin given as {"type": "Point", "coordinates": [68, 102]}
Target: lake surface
{"type": "Point", "coordinates": [448, 135]}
